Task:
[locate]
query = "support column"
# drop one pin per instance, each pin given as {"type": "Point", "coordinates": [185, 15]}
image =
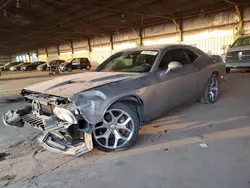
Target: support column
{"type": "Point", "coordinates": [29, 56]}
{"type": "Point", "coordinates": [111, 42]}
{"type": "Point", "coordinates": [240, 17]}
{"type": "Point", "coordinates": [179, 30]}
{"type": "Point", "coordinates": [37, 55]}
{"type": "Point", "coordinates": [72, 47]}
{"type": "Point", "coordinates": [46, 51]}
{"type": "Point", "coordinates": [90, 49]}
{"type": "Point", "coordinates": [89, 45]}
{"type": "Point", "coordinates": [140, 37]}
{"type": "Point", "coordinates": [58, 49]}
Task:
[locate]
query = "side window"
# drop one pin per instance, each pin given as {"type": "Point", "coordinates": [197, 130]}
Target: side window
{"type": "Point", "coordinates": [174, 55]}
{"type": "Point", "coordinates": [191, 55]}
{"type": "Point", "coordinates": [76, 61]}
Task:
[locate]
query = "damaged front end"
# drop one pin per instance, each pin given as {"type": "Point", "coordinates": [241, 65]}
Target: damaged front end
{"type": "Point", "coordinates": [64, 128]}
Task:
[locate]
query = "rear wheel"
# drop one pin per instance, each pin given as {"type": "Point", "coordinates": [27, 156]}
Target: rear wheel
{"type": "Point", "coordinates": [88, 67]}
{"type": "Point", "coordinates": [212, 90]}
{"type": "Point", "coordinates": [228, 70]}
{"type": "Point", "coordinates": [118, 129]}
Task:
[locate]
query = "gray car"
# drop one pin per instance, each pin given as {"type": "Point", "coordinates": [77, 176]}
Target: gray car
{"type": "Point", "coordinates": [106, 107]}
{"type": "Point", "coordinates": [238, 55]}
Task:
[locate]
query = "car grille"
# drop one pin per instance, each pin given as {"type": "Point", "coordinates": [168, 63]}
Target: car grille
{"type": "Point", "coordinates": [236, 55]}
{"type": "Point", "coordinates": [33, 121]}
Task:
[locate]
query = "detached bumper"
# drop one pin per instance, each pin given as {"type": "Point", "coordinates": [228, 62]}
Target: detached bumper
{"type": "Point", "coordinates": [51, 139]}
{"type": "Point", "coordinates": [54, 143]}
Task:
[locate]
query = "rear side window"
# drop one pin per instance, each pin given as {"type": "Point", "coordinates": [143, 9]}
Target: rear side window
{"type": "Point", "coordinates": [85, 59]}
{"type": "Point", "coordinates": [191, 55]}
{"type": "Point", "coordinates": [174, 55]}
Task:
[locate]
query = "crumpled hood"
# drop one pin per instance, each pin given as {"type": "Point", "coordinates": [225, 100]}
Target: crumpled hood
{"type": "Point", "coordinates": [67, 86]}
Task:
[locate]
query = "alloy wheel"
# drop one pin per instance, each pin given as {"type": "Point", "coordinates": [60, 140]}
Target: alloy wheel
{"type": "Point", "coordinates": [115, 130]}
{"type": "Point", "coordinates": [213, 89]}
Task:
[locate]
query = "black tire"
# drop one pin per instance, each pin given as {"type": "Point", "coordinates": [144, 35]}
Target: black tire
{"type": "Point", "coordinates": [69, 69]}
{"type": "Point", "coordinates": [206, 99]}
{"type": "Point", "coordinates": [131, 111]}
{"type": "Point", "coordinates": [228, 70]}
{"type": "Point", "coordinates": [88, 67]}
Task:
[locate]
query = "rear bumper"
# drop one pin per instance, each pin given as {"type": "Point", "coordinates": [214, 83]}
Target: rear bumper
{"type": "Point", "coordinates": [238, 64]}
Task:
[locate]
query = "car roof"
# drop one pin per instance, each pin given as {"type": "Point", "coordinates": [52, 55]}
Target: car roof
{"type": "Point", "coordinates": [157, 47]}
{"type": "Point", "coordinates": [245, 36]}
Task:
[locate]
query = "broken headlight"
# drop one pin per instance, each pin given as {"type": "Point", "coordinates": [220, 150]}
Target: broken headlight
{"type": "Point", "coordinates": [65, 115]}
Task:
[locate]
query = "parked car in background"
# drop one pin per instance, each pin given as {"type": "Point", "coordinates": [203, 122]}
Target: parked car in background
{"type": "Point", "coordinates": [7, 66]}
{"type": "Point", "coordinates": [55, 65]}
{"type": "Point", "coordinates": [31, 66]}
{"type": "Point", "coordinates": [19, 66]}
{"type": "Point", "coordinates": [75, 63]}
{"type": "Point", "coordinates": [238, 55]}
{"type": "Point", "coordinates": [42, 67]}
{"type": "Point", "coordinates": [108, 106]}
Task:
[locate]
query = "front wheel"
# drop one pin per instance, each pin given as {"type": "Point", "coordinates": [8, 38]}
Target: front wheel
{"type": "Point", "coordinates": [212, 90]}
{"type": "Point", "coordinates": [118, 129]}
{"type": "Point", "coordinates": [69, 69]}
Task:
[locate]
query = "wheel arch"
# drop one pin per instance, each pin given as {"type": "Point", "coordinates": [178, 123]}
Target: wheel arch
{"type": "Point", "coordinates": [216, 72]}
{"type": "Point", "coordinates": [132, 100]}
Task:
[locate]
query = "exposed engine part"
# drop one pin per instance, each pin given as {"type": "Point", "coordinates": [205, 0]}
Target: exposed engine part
{"type": "Point", "coordinates": [14, 118]}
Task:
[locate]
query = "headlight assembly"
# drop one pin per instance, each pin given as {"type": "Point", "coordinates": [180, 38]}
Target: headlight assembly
{"type": "Point", "coordinates": [65, 115]}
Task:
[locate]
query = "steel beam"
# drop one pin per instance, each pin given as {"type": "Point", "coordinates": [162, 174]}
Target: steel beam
{"type": "Point", "coordinates": [239, 14]}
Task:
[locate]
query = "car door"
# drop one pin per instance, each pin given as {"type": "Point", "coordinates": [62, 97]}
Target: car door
{"type": "Point", "coordinates": [76, 63]}
{"type": "Point", "coordinates": [82, 63]}
{"type": "Point", "coordinates": [175, 87]}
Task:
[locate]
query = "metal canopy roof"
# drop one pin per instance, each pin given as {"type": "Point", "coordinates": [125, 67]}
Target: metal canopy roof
{"type": "Point", "coordinates": [29, 24]}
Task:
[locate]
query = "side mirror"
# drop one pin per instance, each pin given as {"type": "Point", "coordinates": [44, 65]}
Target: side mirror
{"type": "Point", "coordinates": [230, 46]}
{"type": "Point", "coordinates": [174, 65]}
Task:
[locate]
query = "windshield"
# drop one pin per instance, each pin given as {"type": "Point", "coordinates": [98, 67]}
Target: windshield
{"type": "Point", "coordinates": [69, 60]}
{"type": "Point", "coordinates": [242, 42]}
{"type": "Point", "coordinates": [133, 61]}
{"type": "Point", "coordinates": [11, 64]}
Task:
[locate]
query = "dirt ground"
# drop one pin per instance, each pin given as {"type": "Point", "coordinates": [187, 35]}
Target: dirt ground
{"type": "Point", "coordinates": [196, 145]}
